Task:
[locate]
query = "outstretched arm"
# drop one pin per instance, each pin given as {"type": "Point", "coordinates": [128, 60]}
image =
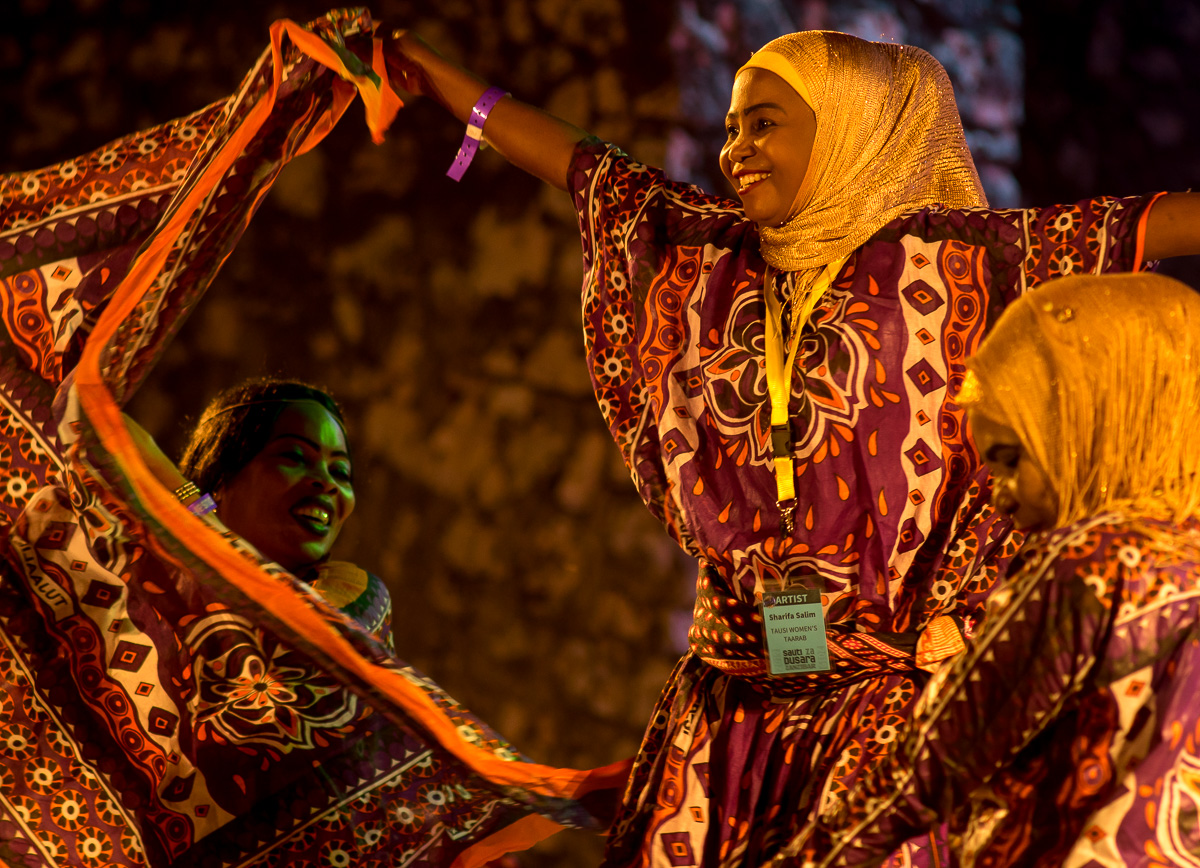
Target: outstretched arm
{"type": "Point", "coordinates": [1173, 226]}
{"type": "Point", "coordinates": [527, 137]}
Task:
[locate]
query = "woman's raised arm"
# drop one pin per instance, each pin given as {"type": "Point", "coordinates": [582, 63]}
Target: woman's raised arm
{"type": "Point", "coordinates": [527, 137]}
{"type": "Point", "coordinates": [160, 465]}
{"type": "Point", "coordinates": [1173, 226]}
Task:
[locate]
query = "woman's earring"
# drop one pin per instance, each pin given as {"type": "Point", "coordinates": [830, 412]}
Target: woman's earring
{"type": "Point", "coordinates": [1004, 495]}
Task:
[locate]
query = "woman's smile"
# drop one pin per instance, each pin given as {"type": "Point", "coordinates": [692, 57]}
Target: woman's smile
{"type": "Point", "coordinates": [314, 516]}
{"type": "Point", "coordinates": [748, 180]}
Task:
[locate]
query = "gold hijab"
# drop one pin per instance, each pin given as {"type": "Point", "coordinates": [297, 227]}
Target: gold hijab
{"type": "Point", "coordinates": [1100, 379]}
{"type": "Point", "coordinates": [888, 140]}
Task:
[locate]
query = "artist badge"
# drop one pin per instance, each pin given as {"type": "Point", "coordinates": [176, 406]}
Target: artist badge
{"type": "Point", "coordinates": [794, 628]}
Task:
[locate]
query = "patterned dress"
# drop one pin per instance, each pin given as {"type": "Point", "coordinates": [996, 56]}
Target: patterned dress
{"type": "Point", "coordinates": [167, 698]}
{"type": "Point", "coordinates": [1078, 700]}
{"type": "Point", "coordinates": [893, 499]}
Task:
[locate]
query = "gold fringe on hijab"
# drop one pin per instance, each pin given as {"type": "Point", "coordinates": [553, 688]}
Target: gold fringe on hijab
{"type": "Point", "coordinates": [888, 140]}
{"type": "Point", "coordinates": [1100, 379]}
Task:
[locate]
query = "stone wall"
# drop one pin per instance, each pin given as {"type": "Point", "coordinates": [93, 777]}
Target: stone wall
{"type": "Point", "coordinates": [528, 578]}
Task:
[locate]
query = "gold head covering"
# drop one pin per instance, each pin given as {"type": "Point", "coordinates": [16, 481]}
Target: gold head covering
{"type": "Point", "coordinates": [888, 140]}
{"type": "Point", "coordinates": [1100, 379]}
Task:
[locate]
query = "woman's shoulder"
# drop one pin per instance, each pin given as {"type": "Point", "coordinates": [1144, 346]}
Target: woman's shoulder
{"type": "Point", "coordinates": [971, 225]}
{"type": "Point", "coordinates": [602, 166]}
{"type": "Point", "coordinates": [1112, 550]}
{"type": "Point", "coordinates": [348, 587]}
{"type": "Point", "coordinates": [358, 594]}
{"type": "Point", "coordinates": [1061, 223]}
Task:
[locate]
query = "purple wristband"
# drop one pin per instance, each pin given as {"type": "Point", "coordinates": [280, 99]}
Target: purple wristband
{"type": "Point", "coordinates": [470, 142]}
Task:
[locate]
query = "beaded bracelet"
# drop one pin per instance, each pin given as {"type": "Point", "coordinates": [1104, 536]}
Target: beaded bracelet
{"type": "Point", "coordinates": [204, 503]}
{"type": "Point", "coordinates": [470, 142]}
{"type": "Point", "coordinates": [203, 506]}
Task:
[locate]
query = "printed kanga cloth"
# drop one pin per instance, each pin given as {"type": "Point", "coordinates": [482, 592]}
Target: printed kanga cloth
{"type": "Point", "coordinates": [893, 516]}
{"type": "Point", "coordinates": [165, 698]}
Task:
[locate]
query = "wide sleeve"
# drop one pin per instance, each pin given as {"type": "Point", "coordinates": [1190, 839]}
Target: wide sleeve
{"type": "Point", "coordinates": [1095, 236]}
{"type": "Point", "coordinates": [645, 242]}
{"type": "Point", "coordinates": [1044, 634]}
{"type": "Point", "coordinates": [960, 269]}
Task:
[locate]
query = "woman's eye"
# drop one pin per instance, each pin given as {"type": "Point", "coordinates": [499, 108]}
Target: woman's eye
{"type": "Point", "coordinates": [731, 132]}
{"type": "Point", "coordinates": [342, 472]}
{"type": "Point", "coordinates": [1007, 458]}
{"type": "Point", "coordinates": [762, 124]}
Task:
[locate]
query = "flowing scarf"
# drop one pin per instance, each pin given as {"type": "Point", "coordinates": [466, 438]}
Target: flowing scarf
{"type": "Point", "coordinates": [165, 697]}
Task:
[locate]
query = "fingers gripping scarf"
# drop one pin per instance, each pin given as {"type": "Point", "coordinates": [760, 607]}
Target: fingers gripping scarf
{"type": "Point", "coordinates": [888, 140]}
{"type": "Point", "coordinates": [1100, 379]}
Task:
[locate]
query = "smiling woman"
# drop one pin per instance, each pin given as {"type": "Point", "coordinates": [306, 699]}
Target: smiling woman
{"type": "Point", "coordinates": [275, 456]}
{"type": "Point", "coordinates": [1078, 696]}
{"type": "Point", "coordinates": [779, 371]}
{"type": "Point", "coordinates": [296, 492]}
{"type": "Point", "coordinates": [770, 131]}
{"type": "Point", "coordinates": [173, 693]}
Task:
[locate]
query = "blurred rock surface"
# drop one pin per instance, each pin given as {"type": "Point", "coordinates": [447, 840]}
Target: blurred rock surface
{"type": "Point", "coordinates": [528, 578]}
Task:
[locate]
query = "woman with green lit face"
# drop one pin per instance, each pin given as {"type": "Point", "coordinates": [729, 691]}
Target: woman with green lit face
{"type": "Point", "coordinates": [279, 469]}
{"type": "Point", "coordinates": [292, 497]}
{"type": "Point", "coordinates": [274, 457]}
{"type": "Point", "coordinates": [778, 370]}
{"type": "Point", "coordinates": [1078, 697]}
{"type": "Point", "coordinates": [183, 686]}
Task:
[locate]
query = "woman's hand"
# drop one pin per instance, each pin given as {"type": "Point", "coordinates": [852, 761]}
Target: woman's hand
{"type": "Point", "coordinates": [1173, 226]}
{"type": "Point", "coordinates": [403, 72]}
{"type": "Point", "coordinates": [529, 138]}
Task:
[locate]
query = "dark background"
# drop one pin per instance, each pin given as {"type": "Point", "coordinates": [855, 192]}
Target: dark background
{"type": "Point", "coordinates": [528, 579]}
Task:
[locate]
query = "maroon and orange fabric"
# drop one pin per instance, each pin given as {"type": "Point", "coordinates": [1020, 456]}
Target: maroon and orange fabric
{"type": "Point", "coordinates": [165, 697]}
{"type": "Point", "coordinates": [893, 519]}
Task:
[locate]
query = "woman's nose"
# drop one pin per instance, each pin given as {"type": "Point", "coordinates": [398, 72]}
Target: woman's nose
{"type": "Point", "coordinates": [740, 148]}
{"type": "Point", "coordinates": [322, 479]}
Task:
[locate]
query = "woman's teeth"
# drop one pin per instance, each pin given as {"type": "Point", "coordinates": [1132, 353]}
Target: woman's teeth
{"type": "Point", "coordinates": [746, 181]}
{"type": "Point", "coordinates": [313, 513]}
